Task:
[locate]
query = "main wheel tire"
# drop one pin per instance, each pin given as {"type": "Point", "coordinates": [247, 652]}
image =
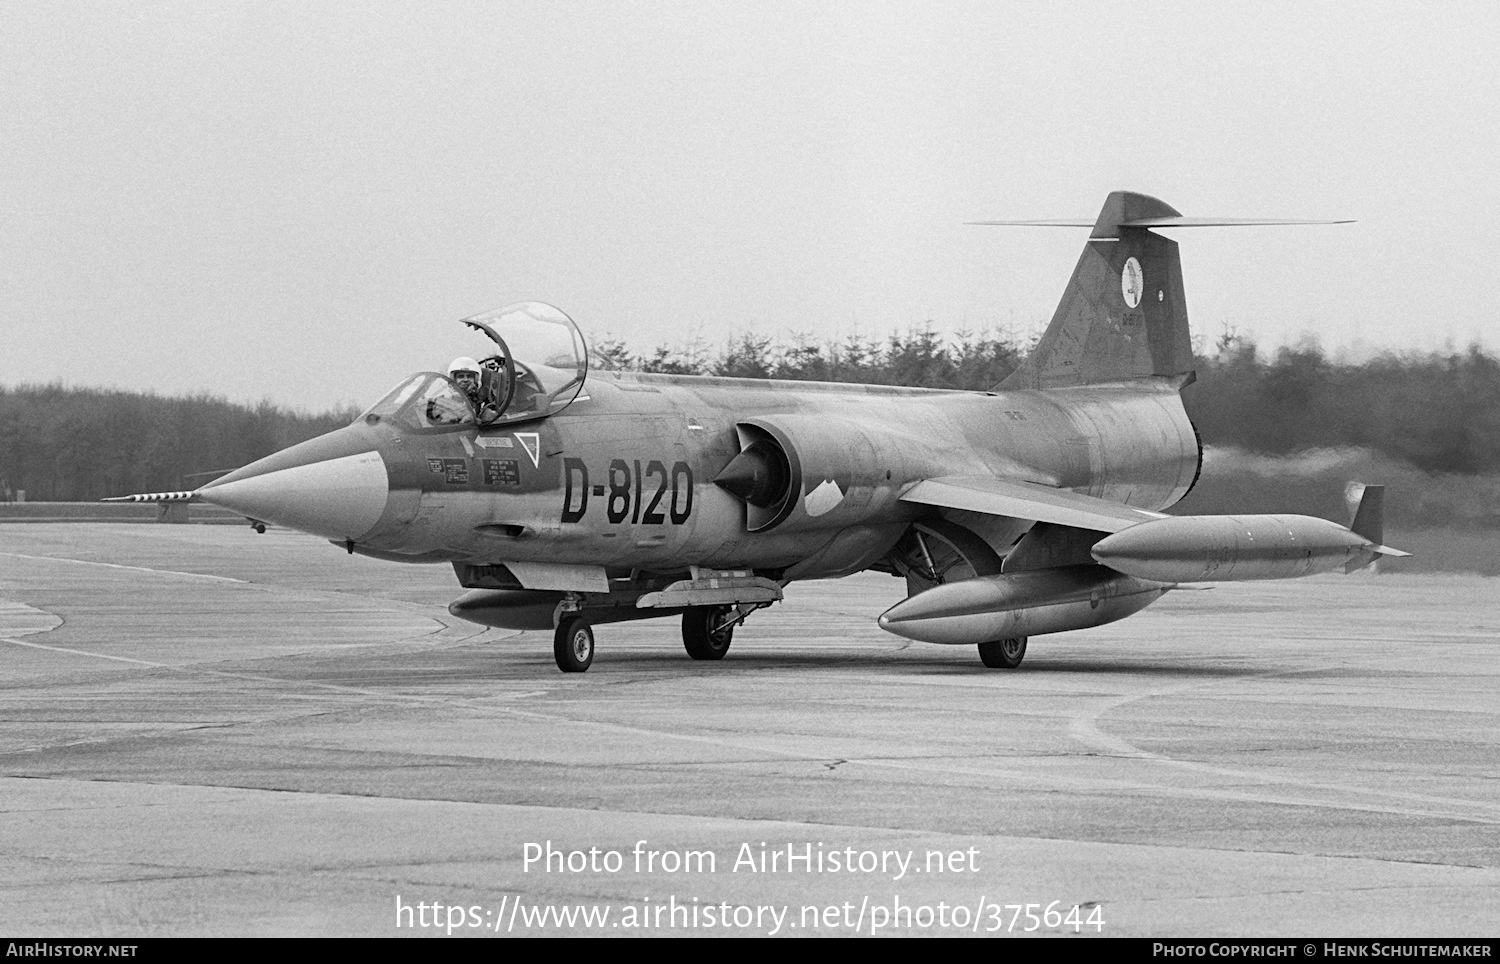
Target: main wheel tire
{"type": "Point", "coordinates": [573, 644]}
{"type": "Point", "coordinates": [698, 635]}
{"type": "Point", "coordinates": [1003, 653]}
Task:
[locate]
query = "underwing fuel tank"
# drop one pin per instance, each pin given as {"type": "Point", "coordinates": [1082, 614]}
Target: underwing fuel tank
{"type": "Point", "coordinates": [536, 609]}
{"type": "Point", "coordinates": [1230, 548]}
{"type": "Point", "coordinates": [1027, 603]}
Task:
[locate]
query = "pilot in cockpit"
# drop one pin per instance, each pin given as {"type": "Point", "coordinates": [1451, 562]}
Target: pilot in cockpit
{"type": "Point", "coordinates": [470, 378]}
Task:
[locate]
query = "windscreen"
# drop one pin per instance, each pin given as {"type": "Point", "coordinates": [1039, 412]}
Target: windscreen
{"type": "Point", "coordinates": [424, 401]}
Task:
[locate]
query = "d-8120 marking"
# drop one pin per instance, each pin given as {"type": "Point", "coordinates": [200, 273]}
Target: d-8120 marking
{"type": "Point", "coordinates": [649, 496]}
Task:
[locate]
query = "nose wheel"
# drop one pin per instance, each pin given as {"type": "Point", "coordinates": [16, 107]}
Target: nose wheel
{"type": "Point", "coordinates": [573, 644]}
{"type": "Point", "coordinates": [1003, 653]}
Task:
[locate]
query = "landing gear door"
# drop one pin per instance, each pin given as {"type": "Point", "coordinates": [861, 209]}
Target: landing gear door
{"type": "Point", "coordinates": [540, 360]}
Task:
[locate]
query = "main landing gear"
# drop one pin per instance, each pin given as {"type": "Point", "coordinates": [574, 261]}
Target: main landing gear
{"type": "Point", "coordinates": [706, 634]}
{"type": "Point", "coordinates": [708, 630]}
{"type": "Point", "coordinates": [573, 644]}
{"type": "Point", "coordinates": [1003, 653]}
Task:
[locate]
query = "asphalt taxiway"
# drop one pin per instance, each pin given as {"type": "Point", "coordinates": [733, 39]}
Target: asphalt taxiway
{"type": "Point", "coordinates": [204, 731]}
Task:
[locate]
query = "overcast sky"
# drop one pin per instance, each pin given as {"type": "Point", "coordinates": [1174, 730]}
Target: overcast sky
{"type": "Point", "coordinates": [296, 201]}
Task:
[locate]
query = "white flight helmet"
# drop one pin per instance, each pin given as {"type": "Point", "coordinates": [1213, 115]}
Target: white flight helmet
{"type": "Point", "coordinates": [463, 363]}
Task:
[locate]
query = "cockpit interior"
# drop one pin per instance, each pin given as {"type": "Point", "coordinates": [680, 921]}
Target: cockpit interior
{"type": "Point", "coordinates": [532, 362]}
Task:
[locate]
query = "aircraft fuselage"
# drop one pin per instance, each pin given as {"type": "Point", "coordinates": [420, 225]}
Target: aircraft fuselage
{"type": "Point", "coordinates": [624, 477]}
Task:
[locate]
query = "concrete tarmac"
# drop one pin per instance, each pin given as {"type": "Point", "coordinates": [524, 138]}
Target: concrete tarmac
{"type": "Point", "coordinates": [204, 731]}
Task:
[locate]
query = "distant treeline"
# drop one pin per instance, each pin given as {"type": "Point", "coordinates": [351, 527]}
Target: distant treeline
{"type": "Point", "coordinates": [1439, 413]}
{"type": "Point", "coordinates": [921, 359]}
{"type": "Point", "coordinates": [74, 445]}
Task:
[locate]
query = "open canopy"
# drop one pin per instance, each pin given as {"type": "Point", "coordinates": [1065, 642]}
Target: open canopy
{"type": "Point", "coordinates": [533, 364]}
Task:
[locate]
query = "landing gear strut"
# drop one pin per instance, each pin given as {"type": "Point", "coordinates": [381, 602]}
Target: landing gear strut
{"type": "Point", "coordinates": [708, 630]}
{"type": "Point", "coordinates": [1003, 653]}
{"type": "Point", "coordinates": [573, 644]}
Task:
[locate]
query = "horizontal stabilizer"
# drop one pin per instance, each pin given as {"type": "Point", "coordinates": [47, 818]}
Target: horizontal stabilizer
{"type": "Point", "coordinates": [1167, 222]}
{"type": "Point", "coordinates": [1027, 500]}
{"type": "Point", "coordinates": [1181, 222]}
{"type": "Point", "coordinates": [1044, 223]}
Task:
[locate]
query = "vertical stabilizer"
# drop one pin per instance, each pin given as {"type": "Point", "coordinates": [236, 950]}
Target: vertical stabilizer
{"type": "Point", "coordinates": [1369, 524]}
{"type": "Point", "coordinates": [1123, 314]}
{"type": "Point", "coordinates": [1369, 518]}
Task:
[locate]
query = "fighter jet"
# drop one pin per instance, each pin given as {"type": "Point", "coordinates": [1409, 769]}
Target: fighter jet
{"type": "Point", "coordinates": [566, 497]}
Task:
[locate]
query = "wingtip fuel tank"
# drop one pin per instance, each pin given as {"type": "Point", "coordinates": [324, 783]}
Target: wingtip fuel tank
{"type": "Point", "coordinates": [1233, 548]}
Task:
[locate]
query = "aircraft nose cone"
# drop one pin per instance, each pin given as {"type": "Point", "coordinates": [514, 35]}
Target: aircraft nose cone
{"type": "Point", "coordinates": [333, 486]}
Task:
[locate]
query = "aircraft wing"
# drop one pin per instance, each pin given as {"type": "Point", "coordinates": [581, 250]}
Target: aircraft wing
{"type": "Point", "coordinates": [1027, 500]}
